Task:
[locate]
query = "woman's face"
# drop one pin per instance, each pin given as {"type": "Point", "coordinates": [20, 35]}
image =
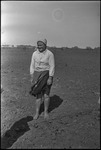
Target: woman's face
{"type": "Point", "coordinates": [41, 46]}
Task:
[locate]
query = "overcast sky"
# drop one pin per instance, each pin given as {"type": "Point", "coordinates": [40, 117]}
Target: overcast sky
{"type": "Point", "coordinates": [61, 23]}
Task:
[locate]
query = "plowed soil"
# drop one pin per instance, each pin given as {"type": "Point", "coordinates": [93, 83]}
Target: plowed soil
{"type": "Point", "coordinates": [74, 111]}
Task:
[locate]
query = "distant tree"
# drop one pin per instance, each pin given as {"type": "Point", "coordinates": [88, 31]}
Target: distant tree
{"type": "Point", "coordinates": [88, 48]}
{"type": "Point", "coordinates": [21, 46]}
{"type": "Point", "coordinates": [75, 47]}
{"type": "Point", "coordinates": [97, 48]}
{"type": "Point", "coordinates": [64, 48]}
{"type": "Point", "coordinates": [5, 46]}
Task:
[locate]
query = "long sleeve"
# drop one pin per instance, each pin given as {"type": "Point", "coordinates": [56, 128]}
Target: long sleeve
{"type": "Point", "coordinates": [52, 65]}
{"type": "Point", "coordinates": [32, 65]}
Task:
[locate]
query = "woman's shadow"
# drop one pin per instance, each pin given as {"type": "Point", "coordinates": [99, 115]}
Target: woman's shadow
{"type": "Point", "coordinates": [55, 101]}
{"type": "Point", "coordinates": [18, 129]}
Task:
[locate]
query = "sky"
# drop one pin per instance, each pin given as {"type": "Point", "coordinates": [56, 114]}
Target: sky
{"type": "Point", "coordinates": [62, 23]}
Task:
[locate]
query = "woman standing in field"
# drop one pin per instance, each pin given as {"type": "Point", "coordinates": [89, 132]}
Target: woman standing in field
{"type": "Point", "coordinates": [42, 70]}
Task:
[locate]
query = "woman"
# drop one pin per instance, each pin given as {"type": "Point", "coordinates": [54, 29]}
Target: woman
{"type": "Point", "coordinates": [42, 70]}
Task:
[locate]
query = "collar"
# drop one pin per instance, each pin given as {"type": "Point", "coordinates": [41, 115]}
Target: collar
{"type": "Point", "coordinates": [41, 52]}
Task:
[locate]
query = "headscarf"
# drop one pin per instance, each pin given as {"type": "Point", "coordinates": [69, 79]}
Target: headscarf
{"type": "Point", "coordinates": [42, 40]}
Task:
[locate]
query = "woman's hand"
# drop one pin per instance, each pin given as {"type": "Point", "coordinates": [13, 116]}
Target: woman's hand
{"type": "Point", "coordinates": [50, 80]}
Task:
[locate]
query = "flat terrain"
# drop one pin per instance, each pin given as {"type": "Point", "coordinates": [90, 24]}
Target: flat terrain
{"type": "Point", "coordinates": [74, 110]}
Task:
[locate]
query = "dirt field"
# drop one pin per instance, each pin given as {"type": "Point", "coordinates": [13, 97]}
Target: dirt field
{"type": "Point", "coordinates": [74, 110]}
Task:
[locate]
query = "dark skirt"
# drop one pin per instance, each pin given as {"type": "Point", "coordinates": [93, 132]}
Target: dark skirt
{"type": "Point", "coordinates": [40, 87]}
{"type": "Point", "coordinates": [45, 90]}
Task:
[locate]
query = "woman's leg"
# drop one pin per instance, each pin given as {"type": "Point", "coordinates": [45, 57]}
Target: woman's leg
{"type": "Point", "coordinates": [38, 104]}
{"type": "Point", "coordinates": [46, 105]}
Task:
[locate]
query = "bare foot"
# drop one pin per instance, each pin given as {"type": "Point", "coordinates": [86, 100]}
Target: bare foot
{"type": "Point", "coordinates": [36, 116]}
{"type": "Point", "coordinates": [46, 116]}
